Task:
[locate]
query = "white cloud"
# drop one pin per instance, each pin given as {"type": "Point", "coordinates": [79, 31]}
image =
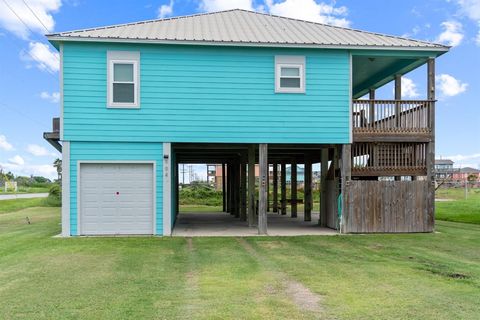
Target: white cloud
{"type": "Point", "coordinates": [452, 34]}
{"type": "Point", "coordinates": [470, 8]}
{"type": "Point", "coordinates": [16, 161]}
{"type": "Point", "coordinates": [477, 39]}
{"type": "Point", "coordinates": [53, 97]}
{"type": "Point", "coordinates": [39, 151]}
{"type": "Point", "coordinates": [310, 10]}
{"type": "Point", "coordinates": [165, 10]}
{"type": "Point", "coordinates": [4, 144]}
{"type": "Point", "coordinates": [219, 5]}
{"type": "Point", "coordinates": [45, 58]}
{"type": "Point", "coordinates": [43, 10]}
{"type": "Point", "coordinates": [44, 170]}
{"type": "Point", "coordinates": [449, 86]}
{"type": "Point", "coordinates": [465, 160]}
{"type": "Point", "coordinates": [409, 88]}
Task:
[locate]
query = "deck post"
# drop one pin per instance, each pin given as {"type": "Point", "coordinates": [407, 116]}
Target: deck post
{"type": "Point", "coordinates": [371, 113]}
{"type": "Point", "coordinates": [237, 189]}
{"type": "Point", "coordinates": [323, 187]}
{"type": "Point", "coordinates": [262, 197]}
{"type": "Point", "coordinates": [268, 187]}
{"type": "Point", "coordinates": [398, 110]}
{"type": "Point", "coordinates": [275, 187]}
{"type": "Point", "coordinates": [283, 187]}
{"type": "Point", "coordinates": [308, 189]}
{"type": "Point", "coordinates": [229, 193]}
{"type": "Point", "coordinates": [430, 157]}
{"type": "Point", "coordinates": [293, 189]}
{"type": "Point", "coordinates": [243, 188]}
{"type": "Point", "coordinates": [251, 185]}
{"type": "Point", "coordinates": [224, 190]}
{"type": "Point", "coordinates": [346, 175]}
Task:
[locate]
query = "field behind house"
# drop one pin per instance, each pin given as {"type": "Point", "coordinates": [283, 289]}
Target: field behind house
{"type": "Point", "coordinates": [403, 276]}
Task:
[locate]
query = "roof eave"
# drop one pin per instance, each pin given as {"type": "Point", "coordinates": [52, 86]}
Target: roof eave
{"type": "Point", "coordinates": [57, 38]}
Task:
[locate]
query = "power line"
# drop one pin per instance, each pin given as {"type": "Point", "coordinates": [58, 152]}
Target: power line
{"type": "Point", "coordinates": [23, 22]}
{"type": "Point", "coordinates": [29, 8]}
{"type": "Point", "coordinates": [43, 125]}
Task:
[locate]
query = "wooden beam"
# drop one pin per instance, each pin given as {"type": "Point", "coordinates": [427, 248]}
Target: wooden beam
{"type": "Point", "coordinates": [308, 190]}
{"type": "Point", "coordinates": [371, 96]}
{"type": "Point", "coordinates": [293, 189]}
{"type": "Point", "coordinates": [243, 188]}
{"type": "Point", "coordinates": [251, 185]}
{"type": "Point", "coordinates": [283, 187]}
{"type": "Point", "coordinates": [237, 190]}
{"type": "Point", "coordinates": [275, 187]}
{"type": "Point", "coordinates": [430, 156]}
{"type": "Point", "coordinates": [345, 176]}
{"type": "Point", "coordinates": [229, 190]}
{"type": "Point", "coordinates": [262, 196]}
{"type": "Point", "coordinates": [398, 109]}
{"type": "Point", "coordinates": [323, 188]}
{"type": "Point", "coordinates": [224, 189]}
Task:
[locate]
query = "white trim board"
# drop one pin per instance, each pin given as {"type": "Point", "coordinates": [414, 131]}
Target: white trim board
{"type": "Point", "coordinates": [154, 168]}
{"type": "Point", "coordinates": [167, 189]}
{"type": "Point", "coordinates": [66, 189]}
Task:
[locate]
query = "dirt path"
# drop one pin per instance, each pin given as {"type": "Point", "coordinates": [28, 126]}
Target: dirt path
{"type": "Point", "coordinates": [300, 295]}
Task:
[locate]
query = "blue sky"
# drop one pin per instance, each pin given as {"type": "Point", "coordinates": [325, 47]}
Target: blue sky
{"type": "Point", "coordinates": [29, 65]}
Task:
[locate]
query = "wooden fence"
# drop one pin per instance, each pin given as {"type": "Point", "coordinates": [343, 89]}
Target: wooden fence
{"type": "Point", "coordinates": [388, 206]}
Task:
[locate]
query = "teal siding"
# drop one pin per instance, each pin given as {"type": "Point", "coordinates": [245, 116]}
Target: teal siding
{"type": "Point", "coordinates": [207, 94]}
{"type": "Point", "coordinates": [106, 151]}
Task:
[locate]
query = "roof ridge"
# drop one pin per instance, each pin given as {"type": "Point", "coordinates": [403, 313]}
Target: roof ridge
{"type": "Point", "coordinates": [144, 22]}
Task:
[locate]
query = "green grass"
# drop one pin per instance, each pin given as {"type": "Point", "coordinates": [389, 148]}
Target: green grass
{"type": "Point", "coordinates": [460, 209]}
{"type": "Point", "coordinates": [26, 190]}
{"type": "Point", "coordinates": [19, 204]}
{"type": "Point", "coordinates": [407, 276]}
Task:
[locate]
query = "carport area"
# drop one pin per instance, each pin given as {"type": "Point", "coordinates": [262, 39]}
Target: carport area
{"type": "Point", "coordinates": [261, 191]}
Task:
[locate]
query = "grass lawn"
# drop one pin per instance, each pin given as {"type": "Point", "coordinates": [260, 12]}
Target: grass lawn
{"type": "Point", "coordinates": [407, 276]}
{"type": "Point", "coordinates": [460, 209]}
{"type": "Point", "coordinates": [26, 190]}
{"type": "Point", "coordinates": [18, 204]}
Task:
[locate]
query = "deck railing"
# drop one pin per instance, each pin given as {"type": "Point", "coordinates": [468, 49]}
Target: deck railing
{"type": "Point", "coordinates": [392, 116]}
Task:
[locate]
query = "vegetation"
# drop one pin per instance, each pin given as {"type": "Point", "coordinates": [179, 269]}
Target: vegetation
{"type": "Point", "coordinates": [200, 194]}
{"type": "Point", "coordinates": [458, 209]}
{"type": "Point", "coordinates": [403, 276]}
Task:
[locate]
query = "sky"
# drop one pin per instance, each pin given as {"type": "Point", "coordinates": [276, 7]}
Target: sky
{"type": "Point", "coordinates": [29, 79]}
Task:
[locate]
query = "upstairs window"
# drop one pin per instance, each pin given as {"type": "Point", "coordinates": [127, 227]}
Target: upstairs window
{"type": "Point", "coordinates": [290, 74]}
{"type": "Point", "coordinates": [123, 79]}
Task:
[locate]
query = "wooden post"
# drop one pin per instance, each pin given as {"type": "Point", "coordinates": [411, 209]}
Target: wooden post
{"type": "Point", "coordinates": [275, 187]}
{"type": "Point", "coordinates": [238, 190]}
{"type": "Point", "coordinates": [431, 145]}
{"type": "Point", "coordinates": [243, 189]}
{"type": "Point", "coordinates": [268, 187]}
{"type": "Point", "coordinates": [262, 196]}
{"type": "Point", "coordinates": [224, 189]}
{"type": "Point", "coordinates": [346, 175]}
{"type": "Point", "coordinates": [323, 188]}
{"type": "Point", "coordinates": [251, 185]}
{"type": "Point", "coordinates": [308, 190]}
{"type": "Point", "coordinates": [372, 105]}
{"type": "Point", "coordinates": [398, 110]}
{"type": "Point", "coordinates": [229, 190]}
{"type": "Point", "coordinates": [293, 189]}
{"type": "Point", "coordinates": [283, 187]}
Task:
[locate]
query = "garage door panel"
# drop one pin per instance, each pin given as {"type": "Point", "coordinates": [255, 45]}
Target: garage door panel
{"type": "Point", "coordinates": [116, 198]}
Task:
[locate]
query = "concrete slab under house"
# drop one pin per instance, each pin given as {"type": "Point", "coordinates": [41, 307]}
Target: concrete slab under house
{"type": "Point", "coordinates": [242, 89]}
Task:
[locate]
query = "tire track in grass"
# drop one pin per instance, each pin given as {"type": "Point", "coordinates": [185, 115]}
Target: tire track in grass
{"type": "Point", "coordinates": [192, 301]}
{"type": "Point", "coordinates": [301, 296]}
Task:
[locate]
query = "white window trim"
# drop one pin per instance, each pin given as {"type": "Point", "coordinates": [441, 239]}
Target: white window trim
{"type": "Point", "coordinates": [289, 62]}
{"type": "Point", "coordinates": [123, 57]}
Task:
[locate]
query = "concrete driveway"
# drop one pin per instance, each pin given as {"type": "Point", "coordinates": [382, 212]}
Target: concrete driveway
{"type": "Point", "coordinates": [22, 196]}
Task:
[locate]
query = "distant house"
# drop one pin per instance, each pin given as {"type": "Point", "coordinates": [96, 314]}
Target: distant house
{"type": "Point", "coordinates": [444, 169]}
{"type": "Point", "coordinates": [242, 88]}
{"type": "Point", "coordinates": [463, 174]}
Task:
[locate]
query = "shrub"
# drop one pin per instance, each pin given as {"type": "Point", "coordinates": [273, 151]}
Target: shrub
{"type": "Point", "coordinates": [54, 198]}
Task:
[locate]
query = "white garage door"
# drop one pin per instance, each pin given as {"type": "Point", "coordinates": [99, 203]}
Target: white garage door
{"type": "Point", "coordinates": [116, 198]}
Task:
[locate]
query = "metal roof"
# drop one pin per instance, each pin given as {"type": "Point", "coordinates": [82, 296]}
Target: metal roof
{"type": "Point", "coordinates": [443, 161]}
{"type": "Point", "coordinates": [242, 27]}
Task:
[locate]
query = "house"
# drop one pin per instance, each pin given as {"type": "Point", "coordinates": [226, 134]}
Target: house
{"type": "Point", "coordinates": [444, 169]}
{"type": "Point", "coordinates": [467, 174]}
{"type": "Point", "coordinates": [136, 97]}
